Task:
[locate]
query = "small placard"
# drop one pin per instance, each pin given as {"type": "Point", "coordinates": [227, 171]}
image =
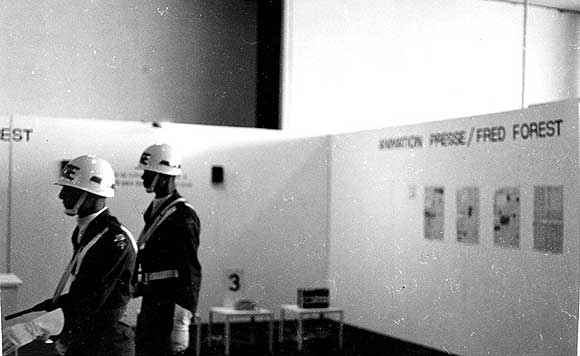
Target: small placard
{"type": "Point", "coordinates": [234, 286]}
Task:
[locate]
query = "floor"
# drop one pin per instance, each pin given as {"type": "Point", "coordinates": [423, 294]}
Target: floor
{"type": "Point", "coordinates": [320, 340]}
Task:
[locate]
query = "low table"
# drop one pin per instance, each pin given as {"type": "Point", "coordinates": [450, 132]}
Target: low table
{"type": "Point", "coordinates": [300, 312]}
{"type": "Point", "coordinates": [230, 313]}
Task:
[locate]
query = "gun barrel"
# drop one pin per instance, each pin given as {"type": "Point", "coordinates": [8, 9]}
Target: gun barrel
{"type": "Point", "coordinates": [17, 314]}
{"type": "Point", "coordinates": [38, 307]}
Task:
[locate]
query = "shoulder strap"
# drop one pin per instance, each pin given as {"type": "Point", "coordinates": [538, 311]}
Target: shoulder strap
{"type": "Point", "coordinates": [75, 264]}
{"type": "Point", "coordinates": [147, 232]}
{"type": "Point", "coordinates": [131, 238]}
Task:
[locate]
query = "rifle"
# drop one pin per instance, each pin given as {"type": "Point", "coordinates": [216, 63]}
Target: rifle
{"type": "Point", "coordinates": [47, 305]}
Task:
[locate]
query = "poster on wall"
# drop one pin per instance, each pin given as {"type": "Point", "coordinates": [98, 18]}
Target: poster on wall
{"type": "Point", "coordinates": [468, 214]}
{"type": "Point", "coordinates": [549, 218]}
{"type": "Point", "coordinates": [434, 223]}
{"type": "Point", "coordinates": [506, 217]}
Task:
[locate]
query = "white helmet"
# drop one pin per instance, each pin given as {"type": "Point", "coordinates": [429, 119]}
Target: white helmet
{"type": "Point", "coordinates": [161, 159]}
{"type": "Point", "coordinates": [91, 174]}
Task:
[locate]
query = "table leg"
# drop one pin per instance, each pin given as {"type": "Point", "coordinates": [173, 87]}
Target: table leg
{"type": "Point", "coordinates": [227, 335]}
{"type": "Point", "coordinates": [197, 335]}
{"type": "Point", "coordinates": [300, 336]}
{"type": "Point", "coordinates": [209, 322]}
{"type": "Point", "coordinates": [281, 326]}
{"type": "Point", "coordinates": [271, 334]}
{"type": "Point", "coordinates": [340, 330]}
{"type": "Point", "coordinates": [252, 330]}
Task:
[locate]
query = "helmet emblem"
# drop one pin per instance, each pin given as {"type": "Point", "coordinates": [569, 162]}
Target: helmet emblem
{"type": "Point", "coordinates": [70, 171]}
{"type": "Point", "coordinates": [145, 158]}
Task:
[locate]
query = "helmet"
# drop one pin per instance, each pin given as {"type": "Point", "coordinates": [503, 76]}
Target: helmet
{"type": "Point", "coordinates": [161, 159]}
{"type": "Point", "coordinates": [91, 174]}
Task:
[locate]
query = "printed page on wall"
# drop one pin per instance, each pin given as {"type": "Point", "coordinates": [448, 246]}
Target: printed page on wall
{"type": "Point", "coordinates": [549, 218]}
{"type": "Point", "coordinates": [434, 213]}
{"type": "Point", "coordinates": [468, 215]}
{"type": "Point", "coordinates": [506, 217]}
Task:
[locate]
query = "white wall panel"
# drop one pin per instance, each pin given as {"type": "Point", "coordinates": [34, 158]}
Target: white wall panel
{"type": "Point", "coordinates": [468, 299]}
{"type": "Point", "coordinates": [4, 203]}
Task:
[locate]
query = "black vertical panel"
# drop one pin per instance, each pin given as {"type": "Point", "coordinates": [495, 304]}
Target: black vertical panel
{"type": "Point", "coordinates": [217, 174]}
{"type": "Point", "coordinates": [268, 81]}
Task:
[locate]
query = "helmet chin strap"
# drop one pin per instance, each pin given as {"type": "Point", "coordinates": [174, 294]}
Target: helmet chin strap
{"type": "Point", "coordinates": [151, 187]}
{"type": "Point", "coordinates": [75, 209]}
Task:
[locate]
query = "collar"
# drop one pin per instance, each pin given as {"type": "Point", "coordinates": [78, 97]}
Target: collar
{"type": "Point", "coordinates": [83, 223]}
{"type": "Point", "coordinates": [157, 202]}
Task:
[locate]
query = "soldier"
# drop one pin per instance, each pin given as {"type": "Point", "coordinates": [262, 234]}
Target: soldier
{"type": "Point", "coordinates": [169, 272]}
{"type": "Point", "coordinates": [102, 267]}
{"type": "Point", "coordinates": [99, 274]}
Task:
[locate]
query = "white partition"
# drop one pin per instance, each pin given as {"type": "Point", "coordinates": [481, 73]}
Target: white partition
{"type": "Point", "coordinates": [465, 298]}
{"type": "Point", "coordinates": [8, 282]}
{"type": "Point", "coordinates": [268, 217]}
{"type": "Point", "coordinates": [4, 203]}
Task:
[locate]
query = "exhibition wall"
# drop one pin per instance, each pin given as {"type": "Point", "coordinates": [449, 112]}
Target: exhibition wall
{"type": "Point", "coordinates": [461, 235]}
{"type": "Point", "coordinates": [354, 65]}
{"type": "Point", "coordinates": [265, 218]}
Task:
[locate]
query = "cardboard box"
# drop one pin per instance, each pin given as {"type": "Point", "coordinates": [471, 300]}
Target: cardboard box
{"type": "Point", "coordinates": [313, 298]}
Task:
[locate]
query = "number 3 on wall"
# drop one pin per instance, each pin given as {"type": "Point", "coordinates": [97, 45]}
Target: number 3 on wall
{"type": "Point", "coordinates": [234, 285]}
{"type": "Point", "coordinates": [234, 282]}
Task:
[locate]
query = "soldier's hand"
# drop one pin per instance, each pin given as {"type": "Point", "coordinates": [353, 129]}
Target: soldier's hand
{"type": "Point", "coordinates": [180, 332]}
{"type": "Point", "coordinates": [50, 323]}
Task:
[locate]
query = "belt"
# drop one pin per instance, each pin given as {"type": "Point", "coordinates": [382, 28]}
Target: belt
{"type": "Point", "coordinates": [156, 276]}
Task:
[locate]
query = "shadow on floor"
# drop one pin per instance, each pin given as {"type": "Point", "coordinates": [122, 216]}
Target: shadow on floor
{"type": "Point", "coordinates": [320, 340]}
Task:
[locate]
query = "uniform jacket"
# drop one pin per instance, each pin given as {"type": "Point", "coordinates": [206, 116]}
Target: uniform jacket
{"type": "Point", "coordinates": [172, 246]}
{"type": "Point", "coordinates": [101, 288]}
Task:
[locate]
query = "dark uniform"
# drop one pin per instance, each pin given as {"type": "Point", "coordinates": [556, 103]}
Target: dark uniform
{"type": "Point", "coordinates": [100, 291]}
{"type": "Point", "coordinates": [169, 272]}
